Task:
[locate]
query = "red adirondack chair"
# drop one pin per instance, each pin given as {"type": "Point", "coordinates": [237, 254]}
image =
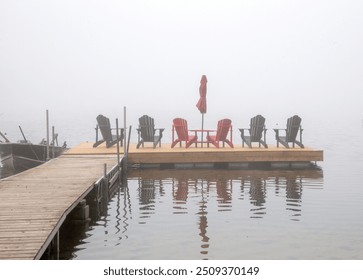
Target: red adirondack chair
{"type": "Point", "coordinates": [224, 127]}
{"type": "Point", "coordinates": [181, 127]}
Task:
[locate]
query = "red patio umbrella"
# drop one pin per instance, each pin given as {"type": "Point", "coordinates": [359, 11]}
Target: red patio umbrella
{"type": "Point", "coordinates": [202, 103]}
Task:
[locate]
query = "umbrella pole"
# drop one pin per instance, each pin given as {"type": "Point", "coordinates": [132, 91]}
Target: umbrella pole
{"type": "Point", "coordinates": [202, 128]}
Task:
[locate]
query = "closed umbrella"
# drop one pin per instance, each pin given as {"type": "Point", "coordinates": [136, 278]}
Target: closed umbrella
{"type": "Point", "coordinates": [202, 102]}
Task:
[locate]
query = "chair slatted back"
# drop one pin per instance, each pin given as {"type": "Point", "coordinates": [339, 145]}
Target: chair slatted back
{"type": "Point", "coordinates": [223, 129]}
{"type": "Point", "coordinates": [146, 126]}
{"type": "Point", "coordinates": [292, 128]}
{"type": "Point", "coordinates": [257, 126]}
{"type": "Point", "coordinates": [105, 127]}
{"type": "Point", "coordinates": [181, 128]}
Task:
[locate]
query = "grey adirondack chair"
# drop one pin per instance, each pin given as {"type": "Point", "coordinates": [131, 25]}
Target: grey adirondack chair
{"type": "Point", "coordinates": [103, 124]}
{"type": "Point", "coordinates": [293, 127]}
{"type": "Point", "coordinates": [256, 131]}
{"type": "Point", "coordinates": [148, 133]}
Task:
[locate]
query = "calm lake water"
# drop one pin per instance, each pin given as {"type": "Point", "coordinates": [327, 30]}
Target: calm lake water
{"type": "Point", "coordinates": [236, 214]}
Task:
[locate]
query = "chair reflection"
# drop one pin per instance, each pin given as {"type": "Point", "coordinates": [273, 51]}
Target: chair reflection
{"type": "Point", "coordinates": [181, 193]}
{"type": "Point", "coordinates": [257, 194]}
{"type": "Point", "coordinates": [147, 197]}
{"type": "Point", "coordinates": [293, 186]}
{"type": "Point", "coordinates": [224, 193]}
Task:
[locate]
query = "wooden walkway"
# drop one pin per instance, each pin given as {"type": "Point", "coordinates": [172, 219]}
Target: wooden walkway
{"type": "Point", "coordinates": [34, 203]}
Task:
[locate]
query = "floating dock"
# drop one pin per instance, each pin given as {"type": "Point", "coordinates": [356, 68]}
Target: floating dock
{"type": "Point", "coordinates": [165, 156]}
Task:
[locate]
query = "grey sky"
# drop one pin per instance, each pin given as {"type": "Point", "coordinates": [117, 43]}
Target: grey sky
{"type": "Point", "coordinates": [260, 56]}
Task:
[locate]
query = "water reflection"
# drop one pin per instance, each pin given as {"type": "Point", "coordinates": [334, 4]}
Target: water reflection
{"type": "Point", "coordinates": [202, 192]}
{"type": "Point", "coordinates": [257, 193]}
{"type": "Point", "coordinates": [294, 197]}
{"type": "Point", "coordinates": [180, 190]}
{"type": "Point", "coordinates": [203, 220]}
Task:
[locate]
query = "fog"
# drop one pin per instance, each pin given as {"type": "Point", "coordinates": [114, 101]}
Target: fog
{"type": "Point", "coordinates": [81, 58]}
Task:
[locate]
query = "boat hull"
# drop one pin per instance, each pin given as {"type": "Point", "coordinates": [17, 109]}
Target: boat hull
{"type": "Point", "coordinates": [22, 156]}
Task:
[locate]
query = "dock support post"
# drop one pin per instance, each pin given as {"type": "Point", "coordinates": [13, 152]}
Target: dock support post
{"type": "Point", "coordinates": [57, 244]}
{"type": "Point", "coordinates": [125, 128]}
{"type": "Point", "coordinates": [125, 144]}
{"type": "Point", "coordinates": [96, 133]}
{"type": "Point", "coordinates": [47, 120]}
{"type": "Point", "coordinates": [118, 148]}
{"type": "Point", "coordinates": [53, 141]}
{"type": "Point", "coordinates": [53, 249]}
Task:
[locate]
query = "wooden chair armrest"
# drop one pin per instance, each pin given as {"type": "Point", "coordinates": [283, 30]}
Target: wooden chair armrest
{"type": "Point", "coordinates": [161, 130]}
{"type": "Point", "coordinates": [242, 130]}
{"type": "Point", "coordinates": [277, 130]}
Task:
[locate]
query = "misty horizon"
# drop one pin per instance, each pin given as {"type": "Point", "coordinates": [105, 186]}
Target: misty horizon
{"type": "Point", "coordinates": [79, 59]}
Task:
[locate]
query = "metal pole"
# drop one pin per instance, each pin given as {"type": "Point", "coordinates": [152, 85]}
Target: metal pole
{"type": "Point", "coordinates": [118, 146]}
{"type": "Point", "coordinates": [96, 133]}
{"type": "Point", "coordinates": [125, 130]}
{"type": "Point", "coordinates": [47, 118]}
{"type": "Point", "coordinates": [128, 142]}
{"type": "Point", "coordinates": [3, 136]}
{"type": "Point", "coordinates": [53, 141]}
{"type": "Point", "coordinates": [202, 128]}
{"type": "Point", "coordinates": [125, 143]}
{"type": "Point", "coordinates": [26, 141]}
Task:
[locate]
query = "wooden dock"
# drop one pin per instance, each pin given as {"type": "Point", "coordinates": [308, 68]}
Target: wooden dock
{"type": "Point", "coordinates": [182, 156]}
{"type": "Point", "coordinates": [35, 203]}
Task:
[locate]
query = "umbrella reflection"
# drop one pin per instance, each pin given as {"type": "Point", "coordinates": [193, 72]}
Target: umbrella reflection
{"type": "Point", "coordinates": [203, 224]}
{"type": "Point", "coordinates": [203, 221]}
